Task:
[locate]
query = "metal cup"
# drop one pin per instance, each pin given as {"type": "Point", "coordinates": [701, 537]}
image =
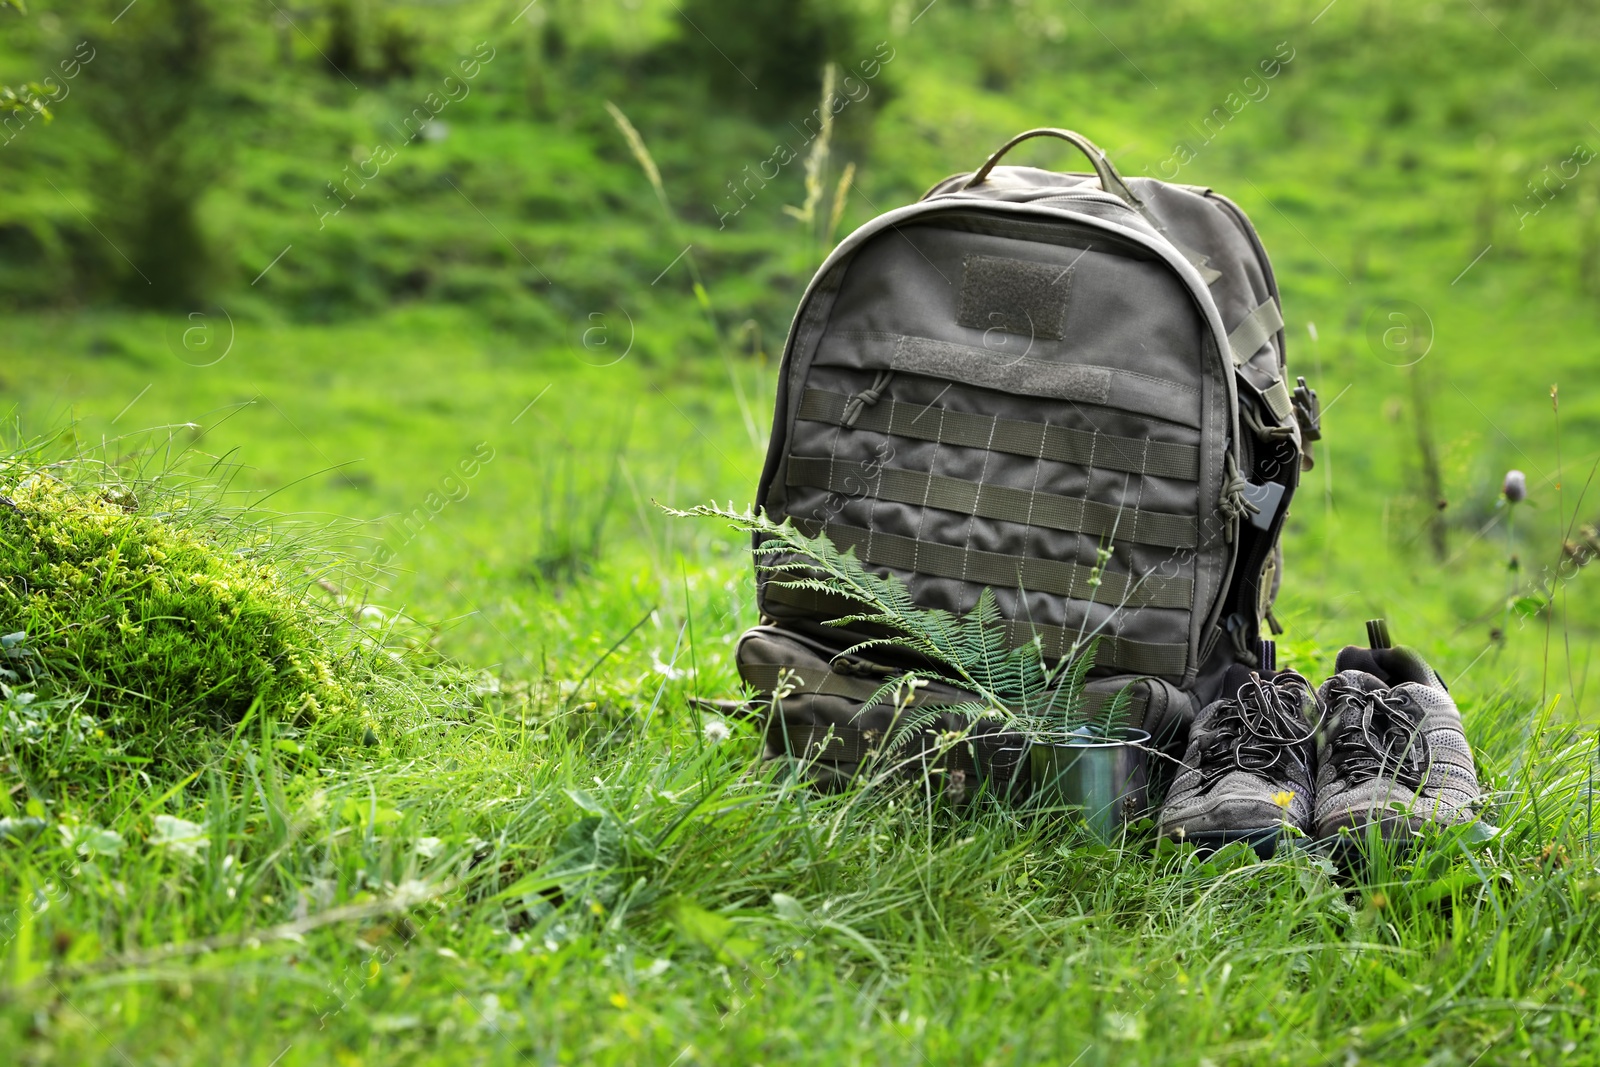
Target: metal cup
{"type": "Point", "coordinates": [1105, 780]}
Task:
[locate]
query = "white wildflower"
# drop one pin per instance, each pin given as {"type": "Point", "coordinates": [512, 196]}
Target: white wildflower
{"type": "Point", "coordinates": [180, 837]}
{"type": "Point", "coordinates": [666, 670]}
{"type": "Point", "coordinates": [89, 840]}
{"type": "Point", "coordinates": [412, 892]}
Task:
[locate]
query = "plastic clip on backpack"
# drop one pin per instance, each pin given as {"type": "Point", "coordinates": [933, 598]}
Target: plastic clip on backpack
{"type": "Point", "coordinates": [987, 387]}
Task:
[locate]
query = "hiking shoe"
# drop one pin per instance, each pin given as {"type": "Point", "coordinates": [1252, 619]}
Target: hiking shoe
{"type": "Point", "coordinates": [1394, 755]}
{"type": "Point", "coordinates": [1247, 772]}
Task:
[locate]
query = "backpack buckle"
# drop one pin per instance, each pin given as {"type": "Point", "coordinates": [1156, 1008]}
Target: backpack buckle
{"type": "Point", "coordinates": [1307, 411]}
{"type": "Point", "coordinates": [1308, 414]}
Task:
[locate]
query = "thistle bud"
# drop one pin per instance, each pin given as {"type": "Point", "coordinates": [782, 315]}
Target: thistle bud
{"type": "Point", "coordinates": [1516, 487]}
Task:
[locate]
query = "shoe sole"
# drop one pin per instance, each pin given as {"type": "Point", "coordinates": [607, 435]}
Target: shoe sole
{"type": "Point", "coordinates": [1264, 841]}
{"type": "Point", "coordinates": [1352, 849]}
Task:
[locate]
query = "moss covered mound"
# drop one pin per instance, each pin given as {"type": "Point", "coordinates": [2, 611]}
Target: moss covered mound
{"type": "Point", "coordinates": [151, 634]}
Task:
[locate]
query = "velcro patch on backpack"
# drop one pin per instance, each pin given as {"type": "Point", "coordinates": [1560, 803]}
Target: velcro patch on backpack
{"type": "Point", "coordinates": [1015, 296]}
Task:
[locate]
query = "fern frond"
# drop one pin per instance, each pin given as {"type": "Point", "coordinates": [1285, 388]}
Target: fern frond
{"type": "Point", "coordinates": [974, 648]}
{"type": "Point", "coordinates": [973, 709]}
{"type": "Point", "coordinates": [913, 724]}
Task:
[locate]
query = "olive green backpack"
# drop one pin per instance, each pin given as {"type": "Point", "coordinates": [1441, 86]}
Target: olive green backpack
{"type": "Point", "coordinates": [984, 389]}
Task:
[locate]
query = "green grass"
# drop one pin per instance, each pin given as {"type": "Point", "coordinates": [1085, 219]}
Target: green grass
{"type": "Point", "coordinates": [611, 884]}
{"type": "Point", "coordinates": [552, 859]}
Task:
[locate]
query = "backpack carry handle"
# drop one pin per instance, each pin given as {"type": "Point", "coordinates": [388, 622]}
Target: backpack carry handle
{"type": "Point", "coordinates": [1110, 180]}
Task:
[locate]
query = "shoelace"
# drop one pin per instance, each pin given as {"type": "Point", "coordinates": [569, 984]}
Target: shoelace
{"type": "Point", "coordinates": [1380, 735]}
{"type": "Point", "coordinates": [1261, 731]}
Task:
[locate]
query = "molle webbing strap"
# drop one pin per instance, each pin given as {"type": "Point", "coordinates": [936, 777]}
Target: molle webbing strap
{"type": "Point", "coordinates": [1276, 397]}
{"type": "Point", "coordinates": [1023, 374]}
{"type": "Point", "coordinates": [996, 502]}
{"type": "Point", "coordinates": [1116, 653]}
{"type": "Point", "coordinates": [1013, 374]}
{"type": "Point", "coordinates": [922, 422]}
{"type": "Point", "coordinates": [764, 677]}
{"type": "Point", "coordinates": [1246, 340]}
{"type": "Point", "coordinates": [1017, 368]}
{"type": "Point", "coordinates": [1257, 328]}
{"type": "Point", "coordinates": [1007, 571]}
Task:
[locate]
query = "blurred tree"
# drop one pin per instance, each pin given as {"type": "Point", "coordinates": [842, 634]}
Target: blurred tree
{"type": "Point", "coordinates": [399, 49]}
{"type": "Point", "coordinates": [154, 85]}
{"type": "Point", "coordinates": [544, 49]}
{"type": "Point", "coordinates": [283, 28]}
{"type": "Point", "coordinates": [346, 30]}
{"type": "Point", "coordinates": [767, 58]}
{"type": "Point", "coordinates": [358, 45]}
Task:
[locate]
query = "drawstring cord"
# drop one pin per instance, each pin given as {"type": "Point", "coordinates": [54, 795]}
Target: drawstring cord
{"type": "Point", "coordinates": [867, 397]}
{"type": "Point", "coordinates": [1235, 504]}
{"type": "Point", "coordinates": [1235, 626]}
{"type": "Point", "coordinates": [1262, 431]}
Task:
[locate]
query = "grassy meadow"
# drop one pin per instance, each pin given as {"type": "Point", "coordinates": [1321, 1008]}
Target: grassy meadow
{"type": "Point", "coordinates": [442, 374]}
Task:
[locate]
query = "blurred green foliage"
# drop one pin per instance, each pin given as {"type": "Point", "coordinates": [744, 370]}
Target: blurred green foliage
{"type": "Point", "coordinates": [453, 166]}
{"type": "Point", "coordinates": [395, 237]}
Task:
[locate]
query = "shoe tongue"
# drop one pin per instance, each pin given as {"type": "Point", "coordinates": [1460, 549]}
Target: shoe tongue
{"type": "Point", "coordinates": [1238, 675]}
{"type": "Point", "coordinates": [1356, 658]}
{"type": "Point", "coordinates": [1402, 664]}
{"type": "Point", "coordinates": [1365, 681]}
{"type": "Point", "coordinates": [1350, 691]}
{"type": "Point", "coordinates": [1391, 666]}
